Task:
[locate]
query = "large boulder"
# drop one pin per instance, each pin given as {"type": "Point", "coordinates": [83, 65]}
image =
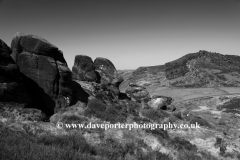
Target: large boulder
{"type": "Point", "coordinates": [168, 100]}
{"type": "Point", "coordinates": [160, 102]}
{"type": "Point", "coordinates": [34, 44]}
{"type": "Point", "coordinates": [44, 72]}
{"type": "Point", "coordinates": [109, 79]}
{"type": "Point", "coordinates": [12, 88]}
{"type": "Point", "coordinates": [138, 93]}
{"type": "Point", "coordinates": [106, 69]}
{"type": "Point", "coordinates": [84, 69]}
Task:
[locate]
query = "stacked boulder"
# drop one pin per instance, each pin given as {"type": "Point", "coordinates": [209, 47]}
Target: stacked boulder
{"type": "Point", "coordinates": [12, 88]}
{"type": "Point", "coordinates": [44, 72]}
{"type": "Point", "coordinates": [84, 69]}
{"type": "Point", "coordinates": [101, 70]}
{"type": "Point", "coordinates": [101, 74]}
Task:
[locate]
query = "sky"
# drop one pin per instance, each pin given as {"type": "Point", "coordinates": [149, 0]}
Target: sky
{"type": "Point", "coordinates": [130, 33]}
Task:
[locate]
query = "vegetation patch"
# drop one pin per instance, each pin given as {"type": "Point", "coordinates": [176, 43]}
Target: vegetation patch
{"type": "Point", "coordinates": [232, 106]}
{"type": "Point", "coordinates": [155, 115]}
{"type": "Point", "coordinates": [18, 145]}
{"type": "Point", "coordinates": [182, 144]}
{"type": "Point", "coordinates": [200, 121]}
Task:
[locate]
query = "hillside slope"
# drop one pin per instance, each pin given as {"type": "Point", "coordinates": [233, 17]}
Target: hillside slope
{"type": "Point", "coordinates": [200, 69]}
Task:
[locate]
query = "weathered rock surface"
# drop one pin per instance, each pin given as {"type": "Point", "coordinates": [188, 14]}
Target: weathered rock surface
{"type": "Point", "coordinates": [106, 69]}
{"type": "Point", "coordinates": [88, 87]}
{"type": "Point", "coordinates": [12, 88]}
{"type": "Point", "coordinates": [117, 81]}
{"type": "Point", "coordinates": [168, 100]}
{"type": "Point", "coordinates": [44, 72]}
{"type": "Point", "coordinates": [171, 108]}
{"type": "Point", "coordinates": [157, 104]}
{"type": "Point", "coordinates": [138, 93]}
{"type": "Point", "coordinates": [84, 69]}
{"type": "Point", "coordinates": [160, 102]}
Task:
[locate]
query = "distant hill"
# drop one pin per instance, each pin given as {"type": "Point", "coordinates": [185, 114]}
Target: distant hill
{"type": "Point", "coordinates": [200, 69]}
{"type": "Point", "coordinates": [125, 73]}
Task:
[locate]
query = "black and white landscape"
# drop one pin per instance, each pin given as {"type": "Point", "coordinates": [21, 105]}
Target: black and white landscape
{"type": "Point", "coordinates": [119, 61]}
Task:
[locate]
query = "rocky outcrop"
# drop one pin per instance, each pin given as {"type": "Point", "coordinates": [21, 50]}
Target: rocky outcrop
{"type": "Point", "coordinates": [84, 69]}
{"type": "Point", "coordinates": [138, 93]}
{"type": "Point", "coordinates": [117, 81]}
{"type": "Point", "coordinates": [114, 87]}
{"type": "Point", "coordinates": [101, 70]}
{"type": "Point", "coordinates": [106, 69]}
{"type": "Point", "coordinates": [44, 72]}
{"type": "Point", "coordinates": [180, 67]}
{"type": "Point", "coordinates": [167, 100]}
{"type": "Point", "coordinates": [12, 88]}
{"type": "Point", "coordinates": [98, 76]}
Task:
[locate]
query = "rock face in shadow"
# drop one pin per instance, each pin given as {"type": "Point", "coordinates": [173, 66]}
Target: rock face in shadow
{"type": "Point", "coordinates": [12, 88]}
{"type": "Point", "coordinates": [44, 72]}
{"type": "Point", "coordinates": [84, 69]}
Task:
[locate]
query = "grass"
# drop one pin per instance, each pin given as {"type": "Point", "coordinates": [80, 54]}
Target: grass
{"type": "Point", "coordinates": [113, 150]}
{"type": "Point", "coordinates": [73, 119]}
{"type": "Point", "coordinates": [120, 112]}
{"type": "Point", "coordinates": [155, 115]}
{"type": "Point", "coordinates": [228, 155]}
{"type": "Point", "coordinates": [154, 155]}
{"type": "Point", "coordinates": [232, 106]}
{"type": "Point", "coordinates": [96, 105]}
{"type": "Point", "coordinates": [95, 108]}
{"type": "Point", "coordinates": [182, 144]}
{"type": "Point", "coordinates": [238, 156]}
{"type": "Point", "coordinates": [114, 113]}
{"type": "Point", "coordinates": [207, 156]}
{"type": "Point", "coordinates": [159, 132]}
{"type": "Point", "coordinates": [188, 155]}
{"type": "Point", "coordinates": [221, 77]}
{"type": "Point", "coordinates": [17, 145]}
{"type": "Point", "coordinates": [200, 121]}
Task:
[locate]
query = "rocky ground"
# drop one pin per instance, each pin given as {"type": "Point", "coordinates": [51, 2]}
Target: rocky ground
{"type": "Point", "coordinates": [222, 115]}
